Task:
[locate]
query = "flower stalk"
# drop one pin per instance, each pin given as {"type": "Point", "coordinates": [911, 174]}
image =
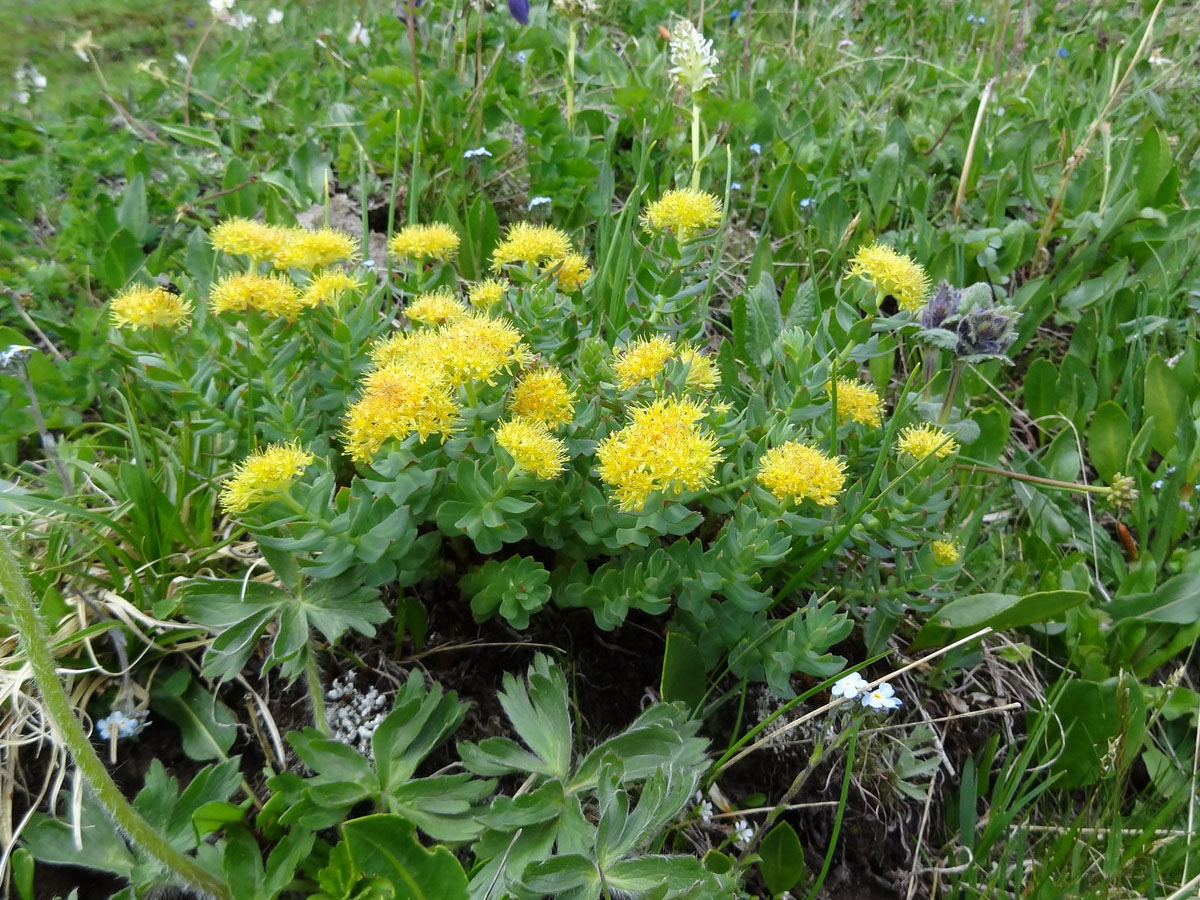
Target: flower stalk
{"type": "Point", "coordinates": [35, 643]}
{"type": "Point", "coordinates": [572, 35]}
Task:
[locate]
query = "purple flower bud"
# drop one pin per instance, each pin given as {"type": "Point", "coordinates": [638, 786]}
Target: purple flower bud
{"type": "Point", "coordinates": [519, 10]}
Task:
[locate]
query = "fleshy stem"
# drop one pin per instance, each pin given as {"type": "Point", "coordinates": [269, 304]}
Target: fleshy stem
{"type": "Point", "coordinates": [695, 143]}
{"type": "Point", "coordinates": [35, 641]}
{"type": "Point", "coordinates": [572, 34]}
{"type": "Point", "coordinates": [316, 693]}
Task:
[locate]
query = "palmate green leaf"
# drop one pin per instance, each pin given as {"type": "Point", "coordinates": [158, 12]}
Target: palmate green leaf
{"type": "Point", "coordinates": [238, 611]}
{"type": "Point", "coordinates": [385, 846]}
{"type": "Point", "coordinates": [539, 714]}
{"type": "Point", "coordinates": [421, 720]}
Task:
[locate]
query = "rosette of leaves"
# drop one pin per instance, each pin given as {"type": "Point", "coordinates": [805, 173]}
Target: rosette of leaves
{"type": "Point", "coordinates": [571, 831]}
{"type": "Point", "coordinates": [969, 323]}
{"type": "Point", "coordinates": [516, 588]}
{"type": "Point", "coordinates": [421, 720]}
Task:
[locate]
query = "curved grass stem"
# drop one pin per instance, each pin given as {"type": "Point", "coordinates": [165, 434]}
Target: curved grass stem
{"type": "Point", "coordinates": [35, 642]}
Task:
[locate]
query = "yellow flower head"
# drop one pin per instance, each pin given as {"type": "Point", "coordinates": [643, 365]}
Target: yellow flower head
{"type": "Point", "coordinates": [146, 307]}
{"type": "Point", "coordinates": [857, 402]}
{"type": "Point", "coordinates": [246, 237]}
{"type": "Point", "coordinates": [663, 448]}
{"type": "Point", "coordinates": [701, 371]}
{"type": "Point", "coordinates": [795, 472]}
{"type": "Point", "coordinates": [543, 396]}
{"type": "Point", "coordinates": [892, 273]}
{"type": "Point", "coordinates": [526, 243]}
{"type": "Point", "coordinates": [421, 347]}
{"type": "Point", "coordinates": [398, 400]}
{"type": "Point", "coordinates": [270, 294]}
{"type": "Point", "coordinates": [420, 242]}
{"type": "Point", "coordinates": [435, 308]}
{"type": "Point", "coordinates": [308, 250]}
{"type": "Point", "coordinates": [919, 441]}
{"type": "Point", "coordinates": [573, 273]}
{"type": "Point", "coordinates": [642, 359]}
{"type": "Point", "coordinates": [945, 553]}
{"type": "Point", "coordinates": [685, 212]}
{"type": "Point", "coordinates": [533, 447]}
{"type": "Point", "coordinates": [327, 287]}
{"type": "Point", "coordinates": [264, 475]}
{"type": "Point", "coordinates": [479, 347]}
{"type": "Point", "coordinates": [487, 293]}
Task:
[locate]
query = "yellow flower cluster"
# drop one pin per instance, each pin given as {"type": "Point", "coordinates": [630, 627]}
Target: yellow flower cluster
{"type": "Point", "coordinates": [273, 295]}
{"type": "Point", "coordinates": [309, 250]}
{"type": "Point", "coordinates": [149, 307]}
{"type": "Point", "coordinates": [945, 553]}
{"type": "Point", "coordinates": [475, 347]}
{"type": "Point", "coordinates": [487, 293]}
{"type": "Point", "coordinates": [663, 448]}
{"type": "Point", "coordinates": [435, 241]}
{"type": "Point", "coordinates": [532, 447]}
{"type": "Point", "coordinates": [264, 475]}
{"type": "Point", "coordinates": [327, 287]}
{"type": "Point", "coordinates": [857, 402]}
{"type": "Point", "coordinates": [286, 248]}
{"type": "Point", "coordinates": [543, 396]}
{"type": "Point", "coordinates": [573, 273]}
{"type": "Point", "coordinates": [533, 244]}
{"type": "Point", "coordinates": [435, 308]}
{"type": "Point", "coordinates": [685, 212]}
{"type": "Point", "coordinates": [246, 237]}
{"type": "Point", "coordinates": [891, 273]}
{"type": "Point", "coordinates": [795, 472]}
{"type": "Point", "coordinates": [920, 441]}
{"type": "Point", "coordinates": [399, 399]}
{"type": "Point", "coordinates": [701, 370]}
{"type": "Point", "coordinates": [644, 359]}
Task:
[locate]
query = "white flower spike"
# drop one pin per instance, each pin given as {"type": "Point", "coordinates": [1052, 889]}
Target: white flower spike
{"type": "Point", "coordinates": [850, 686]}
{"type": "Point", "coordinates": [692, 57]}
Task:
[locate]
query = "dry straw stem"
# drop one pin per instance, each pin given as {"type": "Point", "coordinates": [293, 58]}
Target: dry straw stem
{"type": "Point", "coordinates": [796, 723]}
{"type": "Point", "coordinates": [1039, 255]}
{"type": "Point", "coordinates": [35, 641]}
{"type": "Point", "coordinates": [966, 169]}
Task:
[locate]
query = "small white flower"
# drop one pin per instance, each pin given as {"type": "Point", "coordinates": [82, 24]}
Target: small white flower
{"type": "Point", "coordinates": [1157, 59]}
{"type": "Point", "coordinates": [221, 7]}
{"type": "Point", "coordinates": [274, 16]}
{"type": "Point", "coordinates": [806, 202]}
{"type": "Point", "coordinates": [21, 96]}
{"type": "Point", "coordinates": [850, 686]}
{"type": "Point", "coordinates": [123, 726]}
{"type": "Point", "coordinates": [743, 834]}
{"type": "Point", "coordinates": [692, 57]}
{"type": "Point", "coordinates": [735, 185]}
{"type": "Point", "coordinates": [756, 149]}
{"type": "Point", "coordinates": [522, 55]}
{"type": "Point", "coordinates": [241, 20]}
{"type": "Point", "coordinates": [706, 811]}
{"type": "Point", "coordinates": [845, 44]}
{"type": "Point", "coordinates": [37, 79]}
{"type": "Point", "coordinates": [883, 697]}
{"type": "Point", "coordinates": [535, 202]}
{"type": "Point", "coordinates": [181, 59]}
{"type": "Point", "coordinates": [359, 34]}
{"type": "Point", "coordinates": [14, 355]}
{"type": "Point", "coordinates": [477, 152]}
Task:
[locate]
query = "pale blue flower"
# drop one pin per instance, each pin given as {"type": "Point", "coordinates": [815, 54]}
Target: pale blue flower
{"type": "Point", "coordinates": [539, 201]}
{"type": "Point", "coordinates": [122, 725]}
{"type": "Point", "coordinates": [756, 149]}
